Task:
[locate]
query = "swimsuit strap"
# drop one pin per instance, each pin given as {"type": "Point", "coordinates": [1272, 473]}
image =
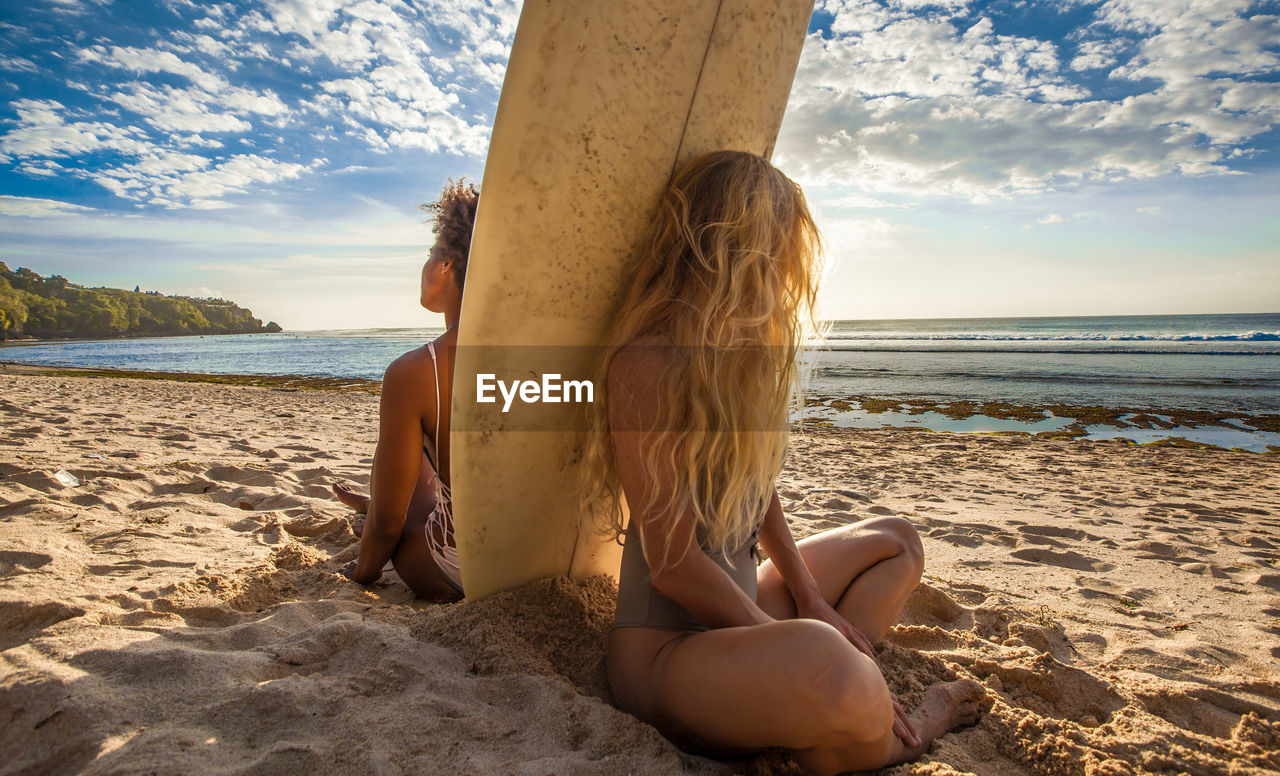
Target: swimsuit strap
{"type": "Point", "coordinates": [435, 379]}
{"type": "Point", "coordinates": [435, 445]}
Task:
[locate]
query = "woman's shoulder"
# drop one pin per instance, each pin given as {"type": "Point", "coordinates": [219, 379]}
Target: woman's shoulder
{"type": "Point", "coordinates": [411, 370]}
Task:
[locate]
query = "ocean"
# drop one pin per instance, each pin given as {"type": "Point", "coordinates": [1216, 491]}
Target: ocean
{"type": "Point", "coordinates": [1214, 363]}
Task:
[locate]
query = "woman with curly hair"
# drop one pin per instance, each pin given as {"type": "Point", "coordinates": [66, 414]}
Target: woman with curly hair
{"type": "Point", "coordinates": [699, 373]}
{"type": "Point", "coordinates": [409, 519]}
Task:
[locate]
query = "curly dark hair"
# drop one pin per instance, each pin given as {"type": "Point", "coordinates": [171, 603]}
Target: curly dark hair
{"type": "Point", "coordinates": [453, 217]}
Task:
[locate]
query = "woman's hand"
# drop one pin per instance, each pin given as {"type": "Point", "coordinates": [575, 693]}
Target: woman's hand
{"type": "Point", "coordinates": [349, 571]}
{"type": "Point", "coordinates": [816, 608]}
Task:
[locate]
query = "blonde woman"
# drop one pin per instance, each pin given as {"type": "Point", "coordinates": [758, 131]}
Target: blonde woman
{"type": "Point", "coordinates": [716, 652]}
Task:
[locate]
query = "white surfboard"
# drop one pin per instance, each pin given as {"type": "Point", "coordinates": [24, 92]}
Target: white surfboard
{"type": "Point", "coordinates": [603, 100]}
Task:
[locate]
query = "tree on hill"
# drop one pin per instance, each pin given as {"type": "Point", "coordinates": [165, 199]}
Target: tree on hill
{"type": "Point", "coordinates": [35, 306]}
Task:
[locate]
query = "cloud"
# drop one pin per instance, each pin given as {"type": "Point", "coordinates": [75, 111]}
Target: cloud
{"type": "Point", "coordinates": [32, 207]}
{"type": "Point", "coordinates": [1096, 54]}
{"type": "Point", "coordinates": [150, 60]}
{"type": "Point", "coordinates": [195, 110]}
{"type": "Point", "coordinates": [938, 101]}
{"type": "Point", "coordinates": [402, 81]}
{"type": "Point", "coordinates": [862, 202]}
{"type": "Point", "coordinates": [385, 75]}
{"type": "Point", "coordinates": [1052, 218]}
{"type": "Point", "coordinates": [41, 131]}
{"type": "Point", "coordinates": [177, 180]}
{"type": "Point", "coordinates": [175, 110]}
{"type": "Point", "coordinates": [18, 64]}
{"type": "Point", "coordinates": [203, 292]}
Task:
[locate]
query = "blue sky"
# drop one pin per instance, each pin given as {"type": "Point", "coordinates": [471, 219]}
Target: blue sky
{"type": "Point", "coordinates": [963, 158]}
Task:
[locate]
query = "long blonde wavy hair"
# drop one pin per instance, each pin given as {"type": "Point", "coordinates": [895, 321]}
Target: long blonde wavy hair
{"type": "Point", "coordinates": [728, 275]}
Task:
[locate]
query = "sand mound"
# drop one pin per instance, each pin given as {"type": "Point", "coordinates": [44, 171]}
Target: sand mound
{"type": "Point", "coordinates": [552, 628]}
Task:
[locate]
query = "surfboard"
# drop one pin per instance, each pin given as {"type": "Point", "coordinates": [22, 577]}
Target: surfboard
{"type": "Point", "coordinates": [602, 101]}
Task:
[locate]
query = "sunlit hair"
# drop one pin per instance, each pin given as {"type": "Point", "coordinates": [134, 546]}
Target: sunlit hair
{"type": "Point", "coordinates": [728, 275]}
{"type": "Point", "coordinates": [453, 217]}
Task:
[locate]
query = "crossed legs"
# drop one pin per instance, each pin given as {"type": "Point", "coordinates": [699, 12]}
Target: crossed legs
{"type": "Point", "coordinates": [796, 684]}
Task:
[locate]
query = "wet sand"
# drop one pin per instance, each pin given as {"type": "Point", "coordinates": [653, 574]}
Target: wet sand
{"type": "Point", "coordinates": [180, 610]}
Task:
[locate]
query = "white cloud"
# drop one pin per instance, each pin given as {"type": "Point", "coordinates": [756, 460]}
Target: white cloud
{"type": "Point", "coordinates": [176, 110]}
{"type": "Point", "coordinates": [17, 64]}
{"type": "Point", "coordinates": [33, 207]}
{"type": "Point", "coordinates": [151, 61]}
{"type": "Point", "coordinates": [396, 75]}
{"type": "Point", "coordinates": [401, 83]}
{"type": "Point", "coordinates": [1096, 54]}
{"type": "Point", "coordinates": [203, 292]}
{"type": "Point", "coordinates": [177, 180]}
{"type": "Point", "coordinates": [935, 103]}
{"type": "Point", "coordinates": [862, 202]}
{"type": "Point", "coordinates": [41, 131]}
{"type": "Point", "coordinates": [1052, 218]}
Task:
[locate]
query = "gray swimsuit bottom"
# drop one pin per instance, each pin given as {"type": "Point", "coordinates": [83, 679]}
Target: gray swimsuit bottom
{"type": "Point", "coordinates": [640, 606]}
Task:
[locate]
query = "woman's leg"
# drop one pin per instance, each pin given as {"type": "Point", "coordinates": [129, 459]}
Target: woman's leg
{"type": "Point", "coordinates": [796, 684]}
{"type": "Point", "coordinates": [865, 571]}
{"type": "Point", "coordinates": [412, 559]}
{"type": "Point", "coordinates": [416, 566]}
{"type": "Point", "coordinates": [355, 500]}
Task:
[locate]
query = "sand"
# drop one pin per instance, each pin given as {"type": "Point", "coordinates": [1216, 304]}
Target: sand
{"type": "Point", "coordinates": [180, 611]}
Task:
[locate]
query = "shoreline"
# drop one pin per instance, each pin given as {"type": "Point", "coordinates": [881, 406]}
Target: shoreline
{"type": "Point", "coordinates": [1084, 421]}
{"type": "Point", "coordinates": [279, 382]}
{"type": "Point", "coordinates": [59, 340]}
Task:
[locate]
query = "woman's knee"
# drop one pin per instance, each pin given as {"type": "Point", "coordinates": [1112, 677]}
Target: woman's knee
{"type": "Point", "coordinates": [845, 685]}
{"type": "Point", "coordinates": [900, 531]}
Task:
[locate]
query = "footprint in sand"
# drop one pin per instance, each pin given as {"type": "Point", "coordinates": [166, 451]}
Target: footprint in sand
{"type": "Point", "coordinates": [1247, 539]}
{"type": "Point", "coordinates": [14, 562]}
{"type": "Point", "coordinates": [1059, 532]}
{"type": "Point", "coordinates": [128, 566]}
{"type": "Point", "coordinates": [1269, 581]}
{"type": "Point", "coordinates": [956, 537]}
{"type": "Point", "coordinates": [930, 606]}
{"type": "Point", "coordinates": [242, 476]}
{"type": "Point", "coordinates": [21, 621]}
{"type": "Point", "coordinates": [1066, 559]}
{"type": "Point", "coordinates": [1051, 689]}
{"type": "Point", "coordinates": [1202, 710]}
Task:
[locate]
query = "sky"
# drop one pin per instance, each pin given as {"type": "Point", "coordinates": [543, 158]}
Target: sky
{"type": "Point", "coordinates": [963, 159]}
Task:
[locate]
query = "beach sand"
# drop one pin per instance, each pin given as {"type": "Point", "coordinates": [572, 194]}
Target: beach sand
{"type": "Point", "coordinates": [180, 611]}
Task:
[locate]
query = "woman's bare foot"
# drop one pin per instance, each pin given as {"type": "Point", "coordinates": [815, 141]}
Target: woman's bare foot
{"type": "Point", "coordinates": [357, 501]}
{"type": "Point", "coordinates": [946, 706]}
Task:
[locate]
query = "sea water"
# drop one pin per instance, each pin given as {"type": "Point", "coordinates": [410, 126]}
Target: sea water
{"type": "Point", "coordinates": [1221, 363]}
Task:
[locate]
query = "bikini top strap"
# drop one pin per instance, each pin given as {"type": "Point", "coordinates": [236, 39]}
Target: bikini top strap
{"type": "Point", "coordinates": [435, 378]}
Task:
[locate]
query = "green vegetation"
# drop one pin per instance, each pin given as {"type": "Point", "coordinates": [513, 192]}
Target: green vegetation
{"type": "Point", "coordinates": [52, 307]}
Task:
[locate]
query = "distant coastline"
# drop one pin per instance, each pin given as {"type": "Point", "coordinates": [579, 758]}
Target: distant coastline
{"type": "Point", "coordinates": [34, 308]}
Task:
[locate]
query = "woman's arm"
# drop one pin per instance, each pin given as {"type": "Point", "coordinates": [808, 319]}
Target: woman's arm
{"type": "Point", "coordinates": [780, 546]}
{"type": "Point", "coordinates": [397, 463]}
{"type": "Point", "coordinates": [685, 574]}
